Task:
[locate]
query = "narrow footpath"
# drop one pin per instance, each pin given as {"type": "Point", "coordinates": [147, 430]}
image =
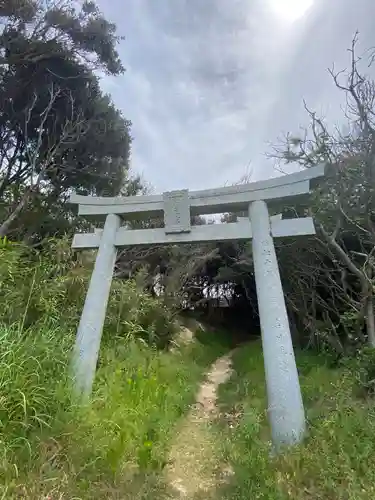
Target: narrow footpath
{"type": "Point", "coordinates": [195, 471]}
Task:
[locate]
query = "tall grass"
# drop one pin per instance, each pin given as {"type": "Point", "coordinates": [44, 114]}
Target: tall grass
{"type": "Point", "coordinates": [49, 288]}
{"type": "Point", "coordinates": [337, 460]}
{"type": "Point", "coordinates": [116, 446]}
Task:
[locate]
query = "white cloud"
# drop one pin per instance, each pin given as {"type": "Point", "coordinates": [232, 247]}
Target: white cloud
{"type": "Point", "coordinates": [209, 83]}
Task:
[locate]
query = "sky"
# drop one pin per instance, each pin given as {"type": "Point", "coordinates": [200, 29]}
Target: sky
{"type": "Point", "coordinates": [210, 85]}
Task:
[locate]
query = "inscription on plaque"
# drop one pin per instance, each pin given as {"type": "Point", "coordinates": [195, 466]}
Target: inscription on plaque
{"type": "Point", "coordinates": [177, 211]}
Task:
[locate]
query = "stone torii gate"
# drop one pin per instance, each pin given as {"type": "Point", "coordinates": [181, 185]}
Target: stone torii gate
{"type": "Point", "coordinates": [285, 406]}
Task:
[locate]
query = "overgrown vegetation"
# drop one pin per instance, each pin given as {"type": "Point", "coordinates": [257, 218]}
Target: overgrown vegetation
{"type": "Point", "coordinates": [37, 287]}
{"type": "Point", "coordinates": [115, 447]}
{"type": "Point", "coordinates": [59, 133]}
{"type": "Point", "coordinates": [337, 459]}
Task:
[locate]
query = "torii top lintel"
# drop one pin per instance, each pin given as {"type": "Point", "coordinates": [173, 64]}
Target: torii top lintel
{"type": "Point", "coordinates": [210, 201]}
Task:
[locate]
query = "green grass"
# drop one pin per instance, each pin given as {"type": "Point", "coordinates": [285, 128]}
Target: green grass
{"type": "Point", "coordinates": [114, 448]}
{"type": "Point", "coordinates": [117, 447]}
{"type": "Point", "coordinates": [337, 460]}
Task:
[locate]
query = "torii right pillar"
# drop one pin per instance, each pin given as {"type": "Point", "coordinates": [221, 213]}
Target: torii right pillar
{"type": "Point", "coordinates": [285, 405]}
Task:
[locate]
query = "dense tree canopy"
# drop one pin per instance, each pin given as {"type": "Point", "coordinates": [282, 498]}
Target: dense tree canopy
{"type": "Point", "coordinates": [57, 130]}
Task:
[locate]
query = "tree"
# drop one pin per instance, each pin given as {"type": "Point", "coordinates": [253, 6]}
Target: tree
{"type": "Point", "coordinates": [332, 279]}
{"type": "Point", "coordinates": [35, 30]}
{"type": "Point", "coordinates": [57, 130]}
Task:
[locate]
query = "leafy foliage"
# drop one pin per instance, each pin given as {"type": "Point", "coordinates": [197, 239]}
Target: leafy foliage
{"type": "Point", "coordinates": [50, 446]}
{"type": "Point", "coordinates": [70, 29]}
{"type": "Point", "coordinates": [363, 370]}
{"type": "Point", "coordinates": [57, 130]}
{"type": "Point", "coordinates": [38, 286]}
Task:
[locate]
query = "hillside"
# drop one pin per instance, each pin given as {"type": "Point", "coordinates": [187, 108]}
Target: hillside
{"type": "Point", "coordinates": [121, 445]}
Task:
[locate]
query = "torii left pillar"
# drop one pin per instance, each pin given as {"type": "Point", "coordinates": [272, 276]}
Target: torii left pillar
{"type": "Point", "coordinates": [90, 329]}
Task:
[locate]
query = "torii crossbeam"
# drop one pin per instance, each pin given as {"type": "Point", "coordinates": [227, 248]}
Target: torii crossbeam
{"type": "Point", "coordinates": [285, 406]}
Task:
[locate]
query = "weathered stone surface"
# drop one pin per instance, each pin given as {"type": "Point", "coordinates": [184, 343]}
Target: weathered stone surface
{"type": "Point", "coordinates": [86, 350]}
{"type": "Point", "coordinates": [285, 406]}
{"type": "Point", "coordinates": [207, 201]}
{"type": "Point", "coordinates": [176, 212]}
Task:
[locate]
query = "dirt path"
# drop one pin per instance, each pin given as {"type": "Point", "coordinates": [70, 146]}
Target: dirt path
{"type": "Point", "coordinates": [195, 469]}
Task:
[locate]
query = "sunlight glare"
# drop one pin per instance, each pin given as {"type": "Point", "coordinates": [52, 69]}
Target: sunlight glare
{"type": "Point", "coordinates": [290, 10]}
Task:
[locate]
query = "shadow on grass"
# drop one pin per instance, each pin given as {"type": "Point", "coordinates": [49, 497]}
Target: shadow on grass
{"type": "Point", "coordinates": [211, 338]}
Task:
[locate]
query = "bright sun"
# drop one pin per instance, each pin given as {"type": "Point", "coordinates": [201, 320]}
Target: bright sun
{"type": "Point", "coordinates": [290, 10]}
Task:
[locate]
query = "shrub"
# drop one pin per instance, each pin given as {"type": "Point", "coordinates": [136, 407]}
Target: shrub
{"type": "Point", "coordinates": [132, 312]}
{"type": "Point", "coordinates": [362, 368]}
{"type": "Point", "coordinates": [38, 286]}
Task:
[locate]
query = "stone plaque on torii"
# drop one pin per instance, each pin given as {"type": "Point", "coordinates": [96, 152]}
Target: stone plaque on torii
{"type": "Point", "coordinates": [285, 406]}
